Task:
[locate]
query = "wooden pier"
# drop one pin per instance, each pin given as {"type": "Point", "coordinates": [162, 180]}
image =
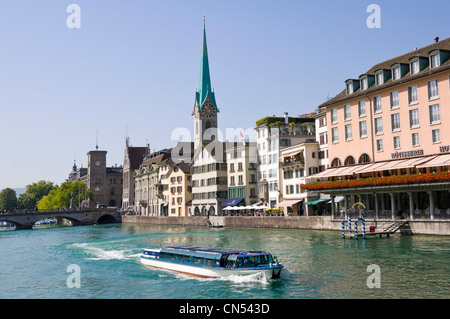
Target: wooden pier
{"type": "Point", "coordinates": [386, 229]}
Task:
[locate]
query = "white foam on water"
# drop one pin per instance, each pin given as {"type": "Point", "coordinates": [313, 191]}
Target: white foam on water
{"type": "Point", "coordinates": [98, 253]}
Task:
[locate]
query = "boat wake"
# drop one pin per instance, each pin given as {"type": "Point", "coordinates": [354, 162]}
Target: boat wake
{"type": "Point", "coordinates": [97, 253]}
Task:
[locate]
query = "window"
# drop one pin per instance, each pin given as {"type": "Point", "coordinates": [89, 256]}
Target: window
{"type": "Point", "coordinates": [349, 160]}
{"type": "Point", "coordinates": [362, 108]}
{"type": "Point", "coordinates": [333, 115]}
{"type": "Point", "coordinates": [378, 125]}
{"type": "Point", "coordinates": [414, 66]}
{"type": "Point", "coordinates": [412, 95]}
{"type": "Point", "coordinates": [364, 158]}
{"type": "Point", "coordinates": [323, 138]}
{"type": "Point", "coordinates": [347, 112]}
{"type": "Point", "coordinates": [414, 118]}
{"type": "Point", "coordinates": [394, 100]}
{"type": "Point", "coordinates": [348, 132]}
{"type": "Point", "coordinates": [436, 135]}
{"type": "Point", "coordinates": [396, 142]}
{"type": "Point", "coordinates": [322, 121]}
{"type": "Point", "coordinates": [396, 73]}
{"type": "Point", "coordinates": [335, 162]}
{"type": "Point", "coordinates": [349, 88]}
{"type": "Point", "coordinates": [363, 129]}
{"type": "Point", "coordinates": [433, 91]}
{"type": "Point", "coordinates": [395, 122]}
{"type": "Point", "coordinates": [364, 83]}
{"type": "Point", "coordinates": [379, 145]}
{"type": "Point", "coordinates": [334, 135]}
{"type": "Point", "coordinates": [435, 116]}
{"type": "Point", "coordinates": [379, 78]}
{"type": "Point", "coordinates": [377, 104]}
{"type": "Point", "coordinates": [415, 139]}
{"type": "Point", "coordinates": [434, 60]}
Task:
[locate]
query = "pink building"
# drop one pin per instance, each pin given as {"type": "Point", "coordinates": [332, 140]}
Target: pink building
{"type": "Point", "coordinates": [393, 120]}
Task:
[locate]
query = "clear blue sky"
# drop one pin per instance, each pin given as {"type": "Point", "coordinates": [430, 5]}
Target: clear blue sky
{"type": "Point", "coordinates": [136, 64]}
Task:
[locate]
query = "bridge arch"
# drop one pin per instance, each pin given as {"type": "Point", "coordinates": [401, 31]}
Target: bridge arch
{"type": "Point", "coordinates": [107, 219]}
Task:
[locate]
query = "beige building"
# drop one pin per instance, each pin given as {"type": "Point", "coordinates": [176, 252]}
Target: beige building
{"type": "Point", "coordinates": [296, 164]}
{"type": "Point", "coordinates": [147, 199]}
{"type": "Point", "coordinates": [241, 166]}
{"type": "Point", "coordinates": [176, 188]}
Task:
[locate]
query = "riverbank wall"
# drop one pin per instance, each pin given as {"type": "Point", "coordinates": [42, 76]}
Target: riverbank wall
{"type": "Point", "coordinates": [422, 227]}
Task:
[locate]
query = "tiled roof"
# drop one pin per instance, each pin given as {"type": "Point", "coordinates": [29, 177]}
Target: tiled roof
{"type": "Point", "coordinates": [136, 155]}
{"type": "Point", "coordinates": [405, 58]}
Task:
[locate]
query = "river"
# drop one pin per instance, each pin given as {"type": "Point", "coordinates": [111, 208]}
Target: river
{"type": "Point", "coordinates": [102, 261]}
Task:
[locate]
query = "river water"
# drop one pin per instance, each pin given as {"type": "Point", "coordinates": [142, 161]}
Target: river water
{"type": "Point", "coordinates": [102, 261]}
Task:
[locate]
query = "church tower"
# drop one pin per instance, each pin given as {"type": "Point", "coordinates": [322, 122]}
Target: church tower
{"type": "Point", "coordinates": [205, 108]}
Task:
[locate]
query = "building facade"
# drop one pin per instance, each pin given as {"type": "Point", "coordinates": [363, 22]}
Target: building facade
{"type": "Point", "coordinates": [208, 166]}
{"type": "Point", "coordinates": [104, 182]}
{"type": "Point", "coordinates": [273, 135]}
{"type": "Point", "coordinates": [296, 164]}
{"type": "Point", "coordinates": [241, 166]}
{"type": "Point", "coordinates": [132, 159]}
{"type": "Point", "coordinates": [391, 122]}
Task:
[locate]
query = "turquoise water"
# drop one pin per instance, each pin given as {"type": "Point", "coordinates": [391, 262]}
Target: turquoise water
{"type": "Point", "coordinates": [34, 264]}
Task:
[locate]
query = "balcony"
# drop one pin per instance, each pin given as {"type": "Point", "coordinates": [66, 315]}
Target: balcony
{"type": "Point", "coordinates": [288, 163]}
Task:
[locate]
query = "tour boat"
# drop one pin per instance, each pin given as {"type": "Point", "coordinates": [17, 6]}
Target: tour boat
{"type": "Point", "coordinates": [209, 262]}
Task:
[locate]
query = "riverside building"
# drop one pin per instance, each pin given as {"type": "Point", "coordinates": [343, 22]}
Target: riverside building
{"type": "Point", "coordinates": [273, 135]}
{"type": "Point", "coordinates": [389, 135]}
{"type": "Point", "coordinates": [241, 163]}
{"type": "Point", "coordinates": [208, 166]}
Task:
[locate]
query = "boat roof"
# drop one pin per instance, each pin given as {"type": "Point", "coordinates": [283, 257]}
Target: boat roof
{"type": "Point", "coordinates": [214, 250]}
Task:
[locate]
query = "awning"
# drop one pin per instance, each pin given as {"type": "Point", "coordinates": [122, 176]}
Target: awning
{"type": "Point", "coordinates": [232, 202]}
{"type": "Point", "coordinates": [338, 199]}
{"type": "Point", "coordinates": [325, 174]}
{"type": "Point", "coordinates": [288, 203]}
{"type": "Point", "coordinates": [440, 160]}
{"type": "Point", "coordinates": [290, 154]}
{"type": "Point", "coordinates": [411, 162]}
{"type": "Point", "coordinates": [317, 201]}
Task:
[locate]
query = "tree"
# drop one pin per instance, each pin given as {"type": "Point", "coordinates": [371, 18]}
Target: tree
{"type": "Point", "coordinates": [68, 194]}
{"type": "Point", "coordinates": [34, 193]}
{"type": "Point", "coordinates": [8, 200]}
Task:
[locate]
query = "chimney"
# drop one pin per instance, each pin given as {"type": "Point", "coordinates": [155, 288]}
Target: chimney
{"type": "Point", "coordinates": [286, 118]}
{"type": "Point", "coordinates": [436, 39]}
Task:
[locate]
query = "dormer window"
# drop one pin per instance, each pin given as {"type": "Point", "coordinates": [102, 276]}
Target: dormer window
{"type": "Point", "coordinates": [349, 88]}
{"type": "Point", "coordinates": [379, 78]}
{"type": "Point", "coordinates": [414, 66]}
{"type": "Point", "coordinates": [396, 72]}
{"type": "Point", "coordinates": [364, 84]}
{"type": "Point", "coordinates": [434, 60]}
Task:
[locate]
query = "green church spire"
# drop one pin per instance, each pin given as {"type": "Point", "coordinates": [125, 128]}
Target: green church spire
{"type": "Point", "coordinates": [205, 79]}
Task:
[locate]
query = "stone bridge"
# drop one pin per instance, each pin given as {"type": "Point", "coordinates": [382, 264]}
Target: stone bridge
{"type": "Point", "coordinates": [76, 217]}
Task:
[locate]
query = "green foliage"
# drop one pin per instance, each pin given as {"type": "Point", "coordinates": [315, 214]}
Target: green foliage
{"type": "Point", "coordinates": [34, 193]}
{"type": "Point", "coordinates": [8, 199]}
{"type": "Point", "coordinates": [274, 119]}
{"type": "Point", "coordinates": [62, 196]}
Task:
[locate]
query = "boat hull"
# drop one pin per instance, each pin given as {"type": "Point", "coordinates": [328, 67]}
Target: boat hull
{"type": "Point", "coordinates": [210, 272]}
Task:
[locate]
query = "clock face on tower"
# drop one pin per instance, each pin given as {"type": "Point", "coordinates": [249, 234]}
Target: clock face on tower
{"type": "Point", "coordinates": [208, 110]}
{"type": "Point", "coordinates": [97, 163]}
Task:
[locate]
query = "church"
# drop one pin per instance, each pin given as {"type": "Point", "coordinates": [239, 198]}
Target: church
{"type": "Point", "coordinates": [208, 166]}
